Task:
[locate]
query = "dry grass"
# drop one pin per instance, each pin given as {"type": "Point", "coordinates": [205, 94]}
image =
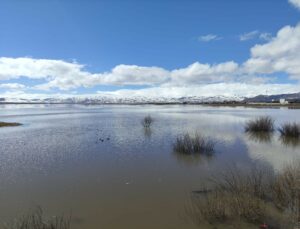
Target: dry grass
{"type": "Point", "coordinates": [6, 124]}
{"type": "Point", "coordinates": [260, 124]}
{"type": "Point", "coordinates": [290, 130]}
{"type": "Point", "coordinates": [197, 144]}
{"type": "Point", "coordinates": [147, 121]}
{"type": "Point", "coordinates": [36, 220]}
{"type": "Point", "coordinates": [256, 197]}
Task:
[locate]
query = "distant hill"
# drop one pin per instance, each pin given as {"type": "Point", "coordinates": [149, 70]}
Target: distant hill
{"type": "Point", "coordinates": [293, 98]}
{"type": "Point", "coordinates": [98, 99]}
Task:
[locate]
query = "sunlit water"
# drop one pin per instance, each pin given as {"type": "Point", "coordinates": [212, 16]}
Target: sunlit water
{"type": "Point", "coordinates": [99, 165]}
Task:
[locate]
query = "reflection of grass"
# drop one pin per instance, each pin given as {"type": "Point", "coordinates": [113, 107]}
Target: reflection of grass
{"type": "Point", "coordinates": [147, 132]}
{"type": "Point", "coordinates": [261, 137]}
{"type": "Point", "coordinates": [36, 220]}
{"type": "Point", "coordinates": [290, 141]}
{"type": "Point", "coordinates": [5, 124]}
{"type": "Point", "coordinates": [193, 159]}
{"type": "Point", "coordinates": [256, 197]}
{"type": "Point", "coordinates": [196, 144]}
{"type": "Point", "coordinates": [260, 124]}
{"type": "Point", "coordinates": [291, 130]}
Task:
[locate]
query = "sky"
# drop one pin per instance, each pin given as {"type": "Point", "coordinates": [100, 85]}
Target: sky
{"type": "Point", "coordinates": [157, 48]}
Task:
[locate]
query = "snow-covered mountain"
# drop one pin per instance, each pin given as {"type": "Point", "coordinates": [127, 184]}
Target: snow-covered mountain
{"type": "Point", "coordinates": [121, 100]}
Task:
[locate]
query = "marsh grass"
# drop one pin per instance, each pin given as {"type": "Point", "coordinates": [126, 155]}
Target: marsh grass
{"type": "Point", "coordinates": [196, 144]}
{"type": "Point", "coordinates": [260, 124]}
{"type": "Point", "coordinates": [7, 124]}
{"type": "Point", "coordinates": [255, 197]}
{"type": "Point", "coordinates": [36, 220]}
{"type": "Point", "coordinates": [290, 130]}
{"type": "Point", "coordinates": [147, 121]}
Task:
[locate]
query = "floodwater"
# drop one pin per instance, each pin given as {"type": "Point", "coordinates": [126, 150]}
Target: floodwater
{"type": "Point", "coordinates": [99, 165]}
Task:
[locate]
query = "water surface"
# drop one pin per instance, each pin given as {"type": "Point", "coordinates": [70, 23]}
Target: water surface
{"type": "Point", "coordinates": [100, 165]}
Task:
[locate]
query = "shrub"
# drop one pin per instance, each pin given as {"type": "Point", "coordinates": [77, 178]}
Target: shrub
{"type": "Point", "coordinates": [260, 124]}
{"type": "Point", "coordinates": [196, 144]}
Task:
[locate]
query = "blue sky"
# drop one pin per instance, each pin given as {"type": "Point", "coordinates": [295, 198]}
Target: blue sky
{"type": "Point", "coordinates": [88, 39]}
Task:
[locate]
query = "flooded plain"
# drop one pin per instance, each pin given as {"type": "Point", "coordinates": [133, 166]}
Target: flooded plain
{"type": "Point", "coordinates": [102, 167]}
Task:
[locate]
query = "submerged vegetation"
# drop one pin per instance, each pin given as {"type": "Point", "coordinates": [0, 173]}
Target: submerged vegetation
{"type": "Point", "coordinates": [256, 197]}
{"type": "Point", "coordinates": [291, 130]}
{"type": "Point", "coordinates": [260, 124]}
{"type": "Point", "coordinates": [147, 121]}
{"type": "Point", "coordinates": [6, 124]}
{"type": "Point", "coordinates": [36, 220]}
{"type": "Point", "coordinates": [197, 144]}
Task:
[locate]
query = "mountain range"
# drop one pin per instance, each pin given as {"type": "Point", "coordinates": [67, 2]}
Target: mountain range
{"type": "Point", "coordinates": [98, 99]}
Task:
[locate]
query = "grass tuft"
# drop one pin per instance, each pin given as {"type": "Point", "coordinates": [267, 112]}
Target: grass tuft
{"type": "Point", "coordinates": [291, 130]}
{"type": "Point", "coordinates": [197, 144]}
{"type": "Point", "coordinates": [260, 124]}
{"type": "Point", "coordinates": [255, 197]}
{"type": "Point", "coordinates": [36, 220]}
{"type": "Point", "coordinates": [147, 121]}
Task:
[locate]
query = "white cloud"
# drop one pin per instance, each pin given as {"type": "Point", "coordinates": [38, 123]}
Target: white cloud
{"type": "Point", "coordinates": [12, 86]}
{"type": "Point", "coordinates": [296, 3]}
{"type": "Point", "coordinates": [206, 90]}
{"type": "Point", "coordinates": [249, 36]}
{"type": "Point", "coordinates": [256, 35]}
{"type": "Point", "coordinates": [265, 36]}
{"type": "Point", "coordinates": [281, 54]}
{"type": "Point", "coordinates": [198, 73]}
{"type": "Point", "coordinates": [209, 37]}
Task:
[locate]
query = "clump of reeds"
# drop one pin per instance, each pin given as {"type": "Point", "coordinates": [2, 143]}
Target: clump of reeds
{"type": "Point", "coordinates": [147, 121]}
{"type": "Point", "coordinates": [4, 124]}
{"type": "Point", "coordinates": [291, 130]}
{"type": "Point", "coordinates": [256, 197]}
{"type": "Point", "coordinates": [260, 124]}
{"type": "Point", "coordinates": [36, 220]}
{"type": "Point", "coordinates": [197, 144]}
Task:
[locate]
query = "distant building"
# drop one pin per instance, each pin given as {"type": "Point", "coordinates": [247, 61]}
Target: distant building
{"type": "Point", "coordinates": [283, 101]}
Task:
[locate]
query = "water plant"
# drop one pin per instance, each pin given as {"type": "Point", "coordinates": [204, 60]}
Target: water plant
{"type": "Point", "coordinates": [291, 130]}
{"type": "Point", "coordinates": [36, 220]}
{"type": "Point", "coordinates": [147, 121]}
{"type": "Point", "coordinates": [254, 197]}
{"type": "Point", "coordinates": [260, 124]}
{"type": "Point", "coordinates": [193, 144]}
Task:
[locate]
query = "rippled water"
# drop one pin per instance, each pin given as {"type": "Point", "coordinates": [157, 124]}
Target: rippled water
{"type": "Point", "coordinates": [100, 165]}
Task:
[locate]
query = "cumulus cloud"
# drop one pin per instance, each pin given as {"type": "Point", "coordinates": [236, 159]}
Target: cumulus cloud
{"type": "Point", "coordinates": [281, 54]}
{"type": "Point", "coordinates": [198, 73]}
{"type": "Point", "coordinates": [296, 3]}
{"type": "Point", "coordinates": [209, 37]}
{"type": "Point", "coordinates": [64, 75]}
